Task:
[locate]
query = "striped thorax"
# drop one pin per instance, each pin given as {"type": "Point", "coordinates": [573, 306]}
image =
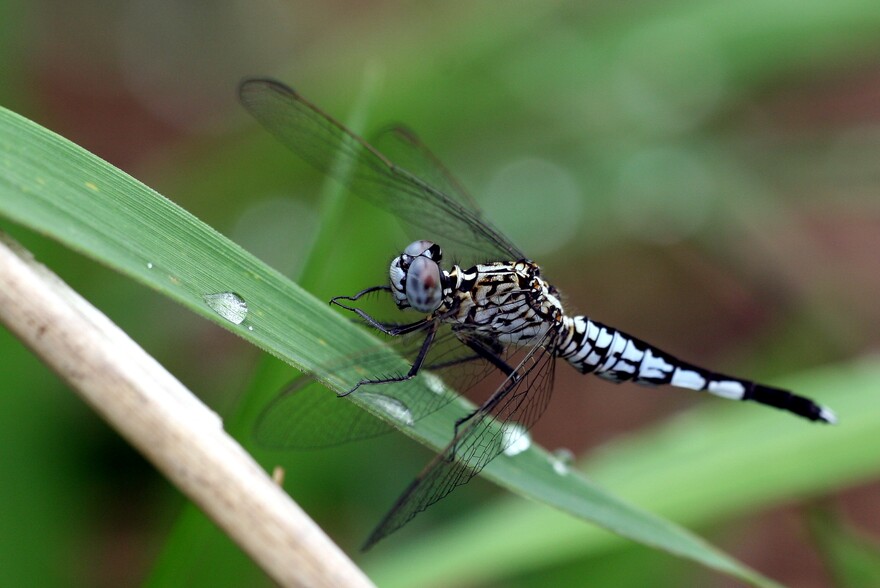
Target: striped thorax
{"type": "Point", "coordinates": [507, 301]}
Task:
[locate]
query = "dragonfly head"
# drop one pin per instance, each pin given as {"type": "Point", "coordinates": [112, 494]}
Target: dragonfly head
{"type": "Point", "coordinates": [416, 279]}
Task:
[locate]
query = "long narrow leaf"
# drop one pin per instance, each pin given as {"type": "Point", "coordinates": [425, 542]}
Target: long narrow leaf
{"type": "Point", "coordinates": [702, 468]}
{"type": "Point", "coordinates": [62, 191]}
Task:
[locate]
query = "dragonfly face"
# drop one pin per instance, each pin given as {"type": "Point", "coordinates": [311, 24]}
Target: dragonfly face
{"type": "Point", "coordinates": [416, 279]}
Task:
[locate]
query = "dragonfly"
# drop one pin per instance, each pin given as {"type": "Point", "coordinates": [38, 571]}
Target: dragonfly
{"type": "Point", "coordinates": [497, 316]}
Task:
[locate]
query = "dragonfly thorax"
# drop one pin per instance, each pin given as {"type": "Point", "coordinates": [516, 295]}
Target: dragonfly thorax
{"type": "Point", "coordinates": [505, 301]}
{"type": "Point", "coordinates": [417, 281]}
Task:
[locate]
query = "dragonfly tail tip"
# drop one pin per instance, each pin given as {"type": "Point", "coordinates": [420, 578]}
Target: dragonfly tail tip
{"type": "Point", "coordinates": [827, 415]}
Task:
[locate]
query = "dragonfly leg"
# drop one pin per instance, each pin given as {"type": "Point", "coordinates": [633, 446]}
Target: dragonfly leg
{"type": "Point", "coordinates": [395, 329]}
{"type": "Point", "coordinates": [392, 329]}
{"type": "Point", "coordinates": [452, 362]}
{"type": "Point", "coordinates": [413, 370]}
{"type": "Point", "coordinates": [490, 352]}
{"type": "Point", "coordinates": [511, 383]}
{"type": "Point", "coordinates": [494, 346]}
{"type": "Point", "coordinates": [360, 294]}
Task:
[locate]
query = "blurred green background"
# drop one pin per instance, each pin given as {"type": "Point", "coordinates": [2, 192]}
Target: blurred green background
{"type": "Point", "coordinates": [702, 174]}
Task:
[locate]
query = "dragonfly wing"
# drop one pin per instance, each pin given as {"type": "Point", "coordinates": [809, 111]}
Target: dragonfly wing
{"type": "Point", "coordinates": [306, 415]}
{"type": "Point", "coordinates": [401, 145]}
{"type": "Point", "coordinates": [328, 146]}
{"type": "Point", "coordinates": [512, 410]}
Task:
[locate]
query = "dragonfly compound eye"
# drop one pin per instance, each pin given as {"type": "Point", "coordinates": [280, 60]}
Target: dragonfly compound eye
{"type": "Point", "coordinates": [424, 248]}
{"type": "Point", "coordinates": [424, 289]}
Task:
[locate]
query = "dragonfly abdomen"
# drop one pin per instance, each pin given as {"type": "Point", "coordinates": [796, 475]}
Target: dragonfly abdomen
{"type": "Point", "coordinates": [592, 347]}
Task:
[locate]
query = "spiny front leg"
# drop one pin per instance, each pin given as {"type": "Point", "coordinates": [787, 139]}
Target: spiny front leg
{"type": "Point", "coordinates": [492, 354]}
{"type": "Point", "coordinates": [386, 328]}
{"type": "Point", "coordinates": [413, 370]}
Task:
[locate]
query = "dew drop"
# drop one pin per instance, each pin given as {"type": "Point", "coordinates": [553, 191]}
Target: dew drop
{"type": "Point", "coordinates": [149, 265]}
{"type": "Point", "coordinates": [563, 458]}
{"type": "Point", "coordinates": [515, 439]}
{"type": "Point", "coordinates": [250, 328]}
{"type": "Point", "coordinates": [435, 384]}
{"type": "Point", "coordinates": [229, 305]}
{"type": "Point", "coordinates": [390, 406]}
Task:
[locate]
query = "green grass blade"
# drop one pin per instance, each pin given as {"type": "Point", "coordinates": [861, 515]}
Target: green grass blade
{"type": "Point", "coordinates": [60, 190]}
{"type": "Point", "coordinates": [217, 561]}
{"type": "Point", "coordinates": [702, 468]}
{"type": "Point", "coordinates": [852, 556]}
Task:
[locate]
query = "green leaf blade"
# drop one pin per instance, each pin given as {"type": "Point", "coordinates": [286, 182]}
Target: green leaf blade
{"type": "Point", "coordinates": [58, 189]}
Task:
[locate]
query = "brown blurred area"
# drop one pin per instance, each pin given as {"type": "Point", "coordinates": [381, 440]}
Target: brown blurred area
{"type": "Point", "coordinates": [723, 203]}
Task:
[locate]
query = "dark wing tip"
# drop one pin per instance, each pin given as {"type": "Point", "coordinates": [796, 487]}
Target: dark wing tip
{"type": "Point", "coordinates": [368, 544]}
{"type": "Point", "coordinates": [405, 132]}
{"type": "Point", "coordinates": [399, 130]}
{"type": "Point", "coordinates": [247, 86]}
{"type": "Point", "coordinates": [400, 514]}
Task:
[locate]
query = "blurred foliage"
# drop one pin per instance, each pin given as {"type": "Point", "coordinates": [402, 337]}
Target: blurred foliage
{"type": "Point", "coordinates": [689, 468]}
{"type": "Point", "coordinates": [60, 190]}
{"type": "Point", "coordinates": [853, 558]}
{"type": "Point", "coordinates": [723, 158]}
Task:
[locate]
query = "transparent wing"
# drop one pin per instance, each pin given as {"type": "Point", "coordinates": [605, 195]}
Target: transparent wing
{"type": "Point", "coordinates": [306, 415]}
{"type": "Point", "coordinates": [513, 409]}
{"type": "Point", "coordinates": [334, 150]}
{"type": "Point", "coordinates": [401, 145]}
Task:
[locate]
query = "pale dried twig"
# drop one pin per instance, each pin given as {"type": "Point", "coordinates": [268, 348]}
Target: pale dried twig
{"type": "Point", "coordinates": [167, 424]}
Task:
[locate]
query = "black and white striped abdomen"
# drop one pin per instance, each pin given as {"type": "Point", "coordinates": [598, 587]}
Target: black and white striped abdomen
{"type": "Point", "coordinates": [592, 347]}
